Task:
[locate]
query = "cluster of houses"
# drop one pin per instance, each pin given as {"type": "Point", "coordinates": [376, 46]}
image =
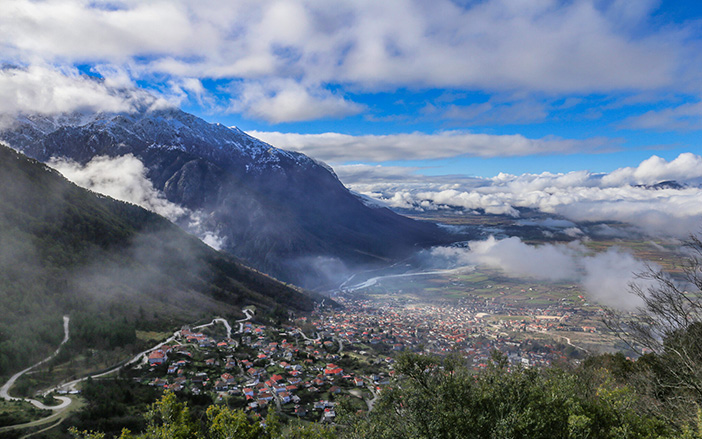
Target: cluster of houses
{"type": "Point", "coordinates": [262, 366]}
{"type": "Point", "coordinates": [465, 327]}
{"type": "Point", "coordinates": [259, 367]}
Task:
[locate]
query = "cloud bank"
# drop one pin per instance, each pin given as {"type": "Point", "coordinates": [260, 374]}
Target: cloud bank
{"type": "Point", "coordinates": [604, 276]}
{"type": "Point", "coordinates": [628, 195]}
{"type": "Point", "coordinates": [124, 178]}
{"type": "Point", "coordinates": [287, 60]}
{"type": "Point", "coordinates": [335, 147]}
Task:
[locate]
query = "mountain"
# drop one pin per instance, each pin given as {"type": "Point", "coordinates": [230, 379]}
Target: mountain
{"type": "Point", "coordinates": [114, 267]}
{"type": "Point", "coordinates": [283, 212]}
{"type": "Point", "coordinates": [668, 184]}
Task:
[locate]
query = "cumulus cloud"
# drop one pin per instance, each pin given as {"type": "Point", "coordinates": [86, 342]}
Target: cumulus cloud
{"type": "Point", "coordinates": [686, 167]}
{"type": "Point", "coordinates": [547, 262]}
{"type": "Point", "coordinates": [624, 195]}
{"type": "Point", "coordinates": [336, 147]}
{"type": "Point", "coordinates": [607, 277]}
{"type": "Point", "coordinates": [317, 47]}
{"type": "Point", "coordinates": [546, 45]}
{"type": "Point", "coordinates": [288, 101]}
{"type": "Point", "coordinates": [604, 276]}
{"type": "Point", "coordinates": [47, 90]}
{"type": "Point", "coordinates": [124, 178]}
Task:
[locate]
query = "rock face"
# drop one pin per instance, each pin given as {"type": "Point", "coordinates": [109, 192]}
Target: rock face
{"type": "Point", "coordinates": [283, 212]}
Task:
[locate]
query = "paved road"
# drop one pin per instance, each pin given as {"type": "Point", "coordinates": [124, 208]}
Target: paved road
{"type": "Point", "coordinates": [575, 346]}
{"type": "Point", "coordinates": [143, 356]}
{"type": "Point", "coordinates": [71, 386]}
{"type": "Point", "coordinates": [65, 401]}
{"type": "Point", "coordinates": [249, 316]}
{"type": "Point", "coordinates": [341, 346]}
{"type": "Point", "coordinates": [306, 337]}
{"type": "Point", "coordinates": [218, 320]}
{"type": "Point", "coordinates": [226, 325]}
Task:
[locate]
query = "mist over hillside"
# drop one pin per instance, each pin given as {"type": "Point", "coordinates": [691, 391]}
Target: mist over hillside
{"type": "Point", "coordinates": [281, 211]}
{"type": "Point", "coordinates": [113, 266]}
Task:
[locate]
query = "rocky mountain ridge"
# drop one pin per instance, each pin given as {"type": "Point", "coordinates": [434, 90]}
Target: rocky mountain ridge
{"type": "Point", "coordinates": [281, 211]}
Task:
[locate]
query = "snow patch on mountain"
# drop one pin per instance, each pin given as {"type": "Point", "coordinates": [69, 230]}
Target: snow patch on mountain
{"type": "Point", "coordinates": [159, 129]}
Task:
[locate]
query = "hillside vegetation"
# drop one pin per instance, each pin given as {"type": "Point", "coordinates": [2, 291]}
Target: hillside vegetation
{"type": "Point", "coordinates": [114, 267]}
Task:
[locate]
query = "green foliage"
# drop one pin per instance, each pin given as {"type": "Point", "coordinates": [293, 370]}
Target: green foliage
{"type": "Point", "coordinates": [65, 250]}
{"type": "Point", "coordinates": [443, 399]}
{"type": "Point", "coordinates": [298, 430]}
{"type": "Point", "coordinates": [114, 404]}
{"type": "Point", "coordinates": [19, 412]}
{"type": "Point", "coordinates": [170, 419]}
{"type": "Point", "coordinates": [225, 423]}
{"type": "Point", "coordinates": [102, 333]}
{"type": "Point", "coordinates": [78, 434]}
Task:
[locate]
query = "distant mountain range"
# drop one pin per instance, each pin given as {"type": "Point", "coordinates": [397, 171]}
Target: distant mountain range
{"type": "Point", "coordinates": [283, 212]}
{"type": "Point", "coordinates": [668, 184]}
{"type": "Point", "coordinates": [111, 265]}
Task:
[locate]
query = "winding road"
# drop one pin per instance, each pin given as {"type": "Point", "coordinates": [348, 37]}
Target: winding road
{"type": "Point", "coordinates": [71, 386]}
{"type": "Point", "coordinates": [567, 339]}
{"type": "Point", "coordinates": [249, 316]}
{"type": "Point", "coordinates": [222, 321]}
{"type": "Point", "coordinates": [307, 338]}
{"type": "Point", "coordinates": [65, 401]}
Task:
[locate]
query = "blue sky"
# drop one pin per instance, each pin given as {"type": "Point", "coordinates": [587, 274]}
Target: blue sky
{"type": "Point", "coordinates": [439, 88]}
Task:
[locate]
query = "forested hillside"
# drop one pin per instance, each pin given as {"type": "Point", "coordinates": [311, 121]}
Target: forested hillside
{"type": "Point", "coordinates": [114, 267]}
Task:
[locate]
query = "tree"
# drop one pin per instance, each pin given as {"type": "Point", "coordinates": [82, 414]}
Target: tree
{"type": "Point", "coordinates": [225, 423]}
{"type": "Point", "coordinates": [668, 324]}
{"type": "Point", "coordinates": [442, 398]}
{"type": "Point", "coordinates": [169, 419]}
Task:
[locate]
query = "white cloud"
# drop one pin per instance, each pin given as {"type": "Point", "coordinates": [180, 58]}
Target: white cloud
{"type": "Point", "coordinates": [578, 196]}
{"type": "Point", "coordinates": [124, 178]}
{"type": "Point", "coordinates": [604, 276]}
{"type": "Point", "coordinates": [77, 30]}
{"type": "Point", "coordinates": [685, 167]}
{"type": "Point", "coordinates": [607, 277]}
{"type": "Point", "coordinates": [289, 101]}
{"type": "Point", "coordinates": [335, 147]}
{"type": "Point", "coordinates": [682, 117]}
{"type": "Point", "coordinates": [45, 90]}
{"type": "Point", "coordinates": [315, 46]}
{"type": "Point", "coordinates": [547, 262]}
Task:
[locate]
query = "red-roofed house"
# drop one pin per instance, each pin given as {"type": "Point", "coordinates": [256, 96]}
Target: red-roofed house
{"type": "Point", "coordinates": [157, 357]}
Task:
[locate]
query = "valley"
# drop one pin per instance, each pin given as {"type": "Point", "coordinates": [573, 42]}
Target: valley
{"type": "Point", "coordinates": [345, 354]}
{"type": "Point", "coordinates": [134, 283]}
{"type": "Point", "coordinates": [350, 220]}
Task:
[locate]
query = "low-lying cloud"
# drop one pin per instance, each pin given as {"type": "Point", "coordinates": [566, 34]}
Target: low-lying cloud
{"type": "Point", "coordinates": [124, 178]}
{"type": "Point", "coordinates": [604, 276]}
{"type": "Point", "coordinates": [630, 195]}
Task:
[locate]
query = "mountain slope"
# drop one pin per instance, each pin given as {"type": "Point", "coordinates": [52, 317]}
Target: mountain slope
{"type": "Point", "coordinates": [113, 266]}
{"type": "Point", "coordinates": [279, 210]}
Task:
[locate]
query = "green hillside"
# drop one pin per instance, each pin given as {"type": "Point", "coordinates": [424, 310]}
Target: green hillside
{"type": "Point", "coordinates": [114, 267]}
